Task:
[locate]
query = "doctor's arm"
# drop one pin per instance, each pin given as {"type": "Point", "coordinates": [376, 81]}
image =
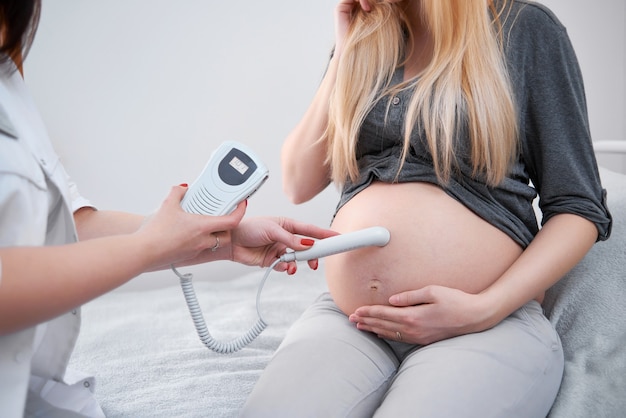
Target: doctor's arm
{"type": "Point", "coordinates": [255, 241]}
{"type": "Point", "coordinates": [92, 223]}
{"type": "Point", "coordinates": [39, 283]}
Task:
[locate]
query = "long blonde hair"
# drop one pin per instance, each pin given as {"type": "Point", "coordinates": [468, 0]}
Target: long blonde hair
{"type": "Point", "coordinates": [466, 81]}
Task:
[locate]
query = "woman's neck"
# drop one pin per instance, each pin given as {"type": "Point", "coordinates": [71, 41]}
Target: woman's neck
{"type": "Point", "coordinates": [420, 52]}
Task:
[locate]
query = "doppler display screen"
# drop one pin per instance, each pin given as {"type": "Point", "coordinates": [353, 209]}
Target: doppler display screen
{"type": "Point", "coordinates": [236, 167]}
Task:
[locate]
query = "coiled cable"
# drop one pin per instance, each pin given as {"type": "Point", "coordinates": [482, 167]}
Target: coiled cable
{"type": "Point", "coordinates": [221, 347]}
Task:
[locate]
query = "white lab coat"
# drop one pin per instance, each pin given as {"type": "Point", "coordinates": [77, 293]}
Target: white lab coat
{"type": "Point", "coordinates": [37, 200]}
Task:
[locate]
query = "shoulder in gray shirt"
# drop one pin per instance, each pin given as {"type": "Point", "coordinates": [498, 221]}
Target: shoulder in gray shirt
{"type": "Point", "coordinates": [556, 152]}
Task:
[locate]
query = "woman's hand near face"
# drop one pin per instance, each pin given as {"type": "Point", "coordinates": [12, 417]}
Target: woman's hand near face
{"type": "Point", "coordinates": [343, 17]}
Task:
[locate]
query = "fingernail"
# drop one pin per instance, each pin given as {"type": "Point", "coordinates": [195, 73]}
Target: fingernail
{"type": "Point", "coordinates": [291, 270]}
{"type": "Point", "coordinates": [183, 185]}
{"type": "Point", "coordinates": [316, 264]}
{"type": "Point", "coordinates": [246, 202]}
{"type": "Point", "coordinates": [307, 241]}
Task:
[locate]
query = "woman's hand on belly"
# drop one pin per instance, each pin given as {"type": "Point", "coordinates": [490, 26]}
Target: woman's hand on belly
{"type": "Point", "coordinates": [426, 315]}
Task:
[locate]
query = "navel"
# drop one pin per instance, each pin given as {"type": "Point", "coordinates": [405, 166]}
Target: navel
{"type": "Point", "coordinates": [375, 285]}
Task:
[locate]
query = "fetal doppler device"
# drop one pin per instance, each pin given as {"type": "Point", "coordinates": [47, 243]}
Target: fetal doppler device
{"type": "Point", "coordinates": [232, 174]}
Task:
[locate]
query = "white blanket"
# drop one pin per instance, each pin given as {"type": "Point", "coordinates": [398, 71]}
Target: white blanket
{"type": "Point", "coordinates": [587, 309]}
{"type": "Point", "coordinates": [149, 361]}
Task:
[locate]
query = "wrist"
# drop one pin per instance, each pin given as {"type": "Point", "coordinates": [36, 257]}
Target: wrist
{"type": "Point", "coordinates": [492, 309]}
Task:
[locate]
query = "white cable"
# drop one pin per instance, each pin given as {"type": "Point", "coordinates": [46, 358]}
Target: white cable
{"type": "Point", "coordinates": [198, 319]}
{"type": "Point", "coordinates": [373, 236]}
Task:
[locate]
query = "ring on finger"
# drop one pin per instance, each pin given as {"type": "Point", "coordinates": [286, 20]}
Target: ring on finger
{"type": "Point", "coordinates": [217, 243]}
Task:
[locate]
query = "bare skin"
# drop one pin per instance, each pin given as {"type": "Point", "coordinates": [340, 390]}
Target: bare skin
{"type": "Point", "coordinates": [39, 283]}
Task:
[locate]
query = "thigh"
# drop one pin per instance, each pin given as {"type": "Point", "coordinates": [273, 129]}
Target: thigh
{"type": "Point", "coordinates": [325, 367]}
{"type": "Point", "coordinates": [512, 370]}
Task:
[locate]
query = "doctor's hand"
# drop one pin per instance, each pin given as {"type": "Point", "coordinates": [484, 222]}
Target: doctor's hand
{"type": "Point", "coordinates": [173, 236]}
{"type": "Point", "coordinates": [260, 241]}
{"type": "Point", "coordinates": [426, 315]}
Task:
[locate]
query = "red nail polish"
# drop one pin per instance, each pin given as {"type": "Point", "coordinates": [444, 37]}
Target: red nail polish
{"type": "Point", "coordinates": [184, 185]}
{"type": "Point", "coordinates": [316, 264]}
{"type": "Point", "coordinates": [307, 241]}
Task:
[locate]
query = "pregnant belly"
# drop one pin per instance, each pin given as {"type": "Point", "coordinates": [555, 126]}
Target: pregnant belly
{"type": "Point", "coordinates": [434, 240]}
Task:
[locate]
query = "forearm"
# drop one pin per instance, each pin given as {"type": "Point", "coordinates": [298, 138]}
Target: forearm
{"type": "Point", "coordinates": [303, 155]}
{"type": "Point", "coordinates": [558, 247]}
{"type": "Point", "coordinates": [39, 283]}
{"type": "Point", "coordinates": [91, 223]}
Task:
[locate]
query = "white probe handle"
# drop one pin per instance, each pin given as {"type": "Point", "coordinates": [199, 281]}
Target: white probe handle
{"type": "Point", "coordinates": [376, 235]}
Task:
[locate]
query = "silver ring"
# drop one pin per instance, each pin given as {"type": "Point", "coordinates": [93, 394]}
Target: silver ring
{"type": "Point", "coordinates": [399, 336]}
{"type": "Point", "coordinates": [217, 243]}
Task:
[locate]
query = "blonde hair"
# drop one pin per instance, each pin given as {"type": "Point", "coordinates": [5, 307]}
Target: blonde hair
{"type": "Point", "coordinates": [465, 81]}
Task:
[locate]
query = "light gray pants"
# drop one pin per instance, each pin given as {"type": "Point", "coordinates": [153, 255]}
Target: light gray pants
{"type": "Point", "coordinates": [325, 367]}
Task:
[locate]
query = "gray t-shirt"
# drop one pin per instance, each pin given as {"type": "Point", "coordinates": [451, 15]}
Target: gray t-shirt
{"type": "Point", "coordinates": [556, 151]}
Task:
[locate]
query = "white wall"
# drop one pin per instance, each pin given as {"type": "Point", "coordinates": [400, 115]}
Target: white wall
{"type": "Point", "coordinates": [598, 33]}
{"type": "Point", "coordinates": [137, 93]}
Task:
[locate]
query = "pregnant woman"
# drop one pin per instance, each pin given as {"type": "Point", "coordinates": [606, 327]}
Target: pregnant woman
{"type": "Point", "coordinates": [440, 120]}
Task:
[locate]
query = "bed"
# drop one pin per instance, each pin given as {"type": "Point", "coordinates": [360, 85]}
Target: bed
{"type": "Point", "coordinates": [149, 361]}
